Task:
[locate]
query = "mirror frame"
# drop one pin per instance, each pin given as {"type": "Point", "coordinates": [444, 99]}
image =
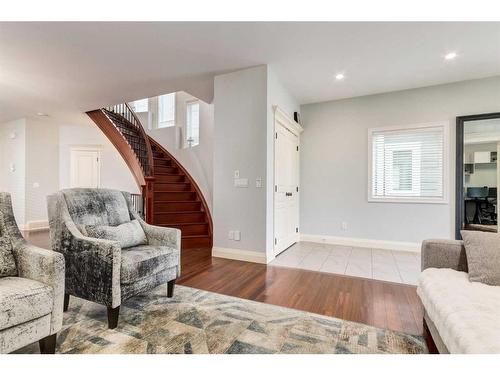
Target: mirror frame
{"type": "Point", "coordinates": [459, 166]}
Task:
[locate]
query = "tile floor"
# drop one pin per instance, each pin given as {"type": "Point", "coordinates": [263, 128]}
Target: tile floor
{"type": "Point", "coordinates": [387, 265]}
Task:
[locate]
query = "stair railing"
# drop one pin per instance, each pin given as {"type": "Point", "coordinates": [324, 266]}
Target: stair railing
{"type": "Point", "coordinates": [141, 148]}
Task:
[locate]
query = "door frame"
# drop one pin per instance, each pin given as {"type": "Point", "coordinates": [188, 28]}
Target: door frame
{"type": "Point", "coordinates": [282, 119]}
{"type": "Point", "coordinates": [459, 166]}
{"type": "Point", "coordinates": [96, 148]}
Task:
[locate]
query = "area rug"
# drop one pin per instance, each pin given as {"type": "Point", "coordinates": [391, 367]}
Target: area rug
{"type": "Point", "coordinates": [196, 321]}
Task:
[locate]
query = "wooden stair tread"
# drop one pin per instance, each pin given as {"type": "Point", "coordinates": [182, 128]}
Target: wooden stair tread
{"type": "Point", "coordinates": [178, 212]}
{"type": "Point", "coordinates": [168, 174]}
{"type": "Point", "coordinates": [198, 223]}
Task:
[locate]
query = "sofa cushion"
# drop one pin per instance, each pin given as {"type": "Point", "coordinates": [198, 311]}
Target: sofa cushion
{"type": "Point", "coordinates": [7, 260]}
{"type": "Point", "coordinates": [22, 300]}
{"type": "Point", "coordinates": [483, 256]}
{"type": "Point", "coordinates": [466, 314]}
{"type": "Point", "coordinates": [127, 234]}
{"type": "Point", "coordinates": [97, 206]}
{"type": "Point", "coordinates": [142, 261]}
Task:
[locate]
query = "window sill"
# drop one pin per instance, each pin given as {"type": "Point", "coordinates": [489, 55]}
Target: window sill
{"type": "Point", "coordinates": [409, 200]}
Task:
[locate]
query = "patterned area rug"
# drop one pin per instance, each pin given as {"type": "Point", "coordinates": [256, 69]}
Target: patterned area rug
{"type": "Point", "coordinates": [196, 321]}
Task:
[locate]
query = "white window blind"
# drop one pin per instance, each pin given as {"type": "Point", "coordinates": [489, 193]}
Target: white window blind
{"type": "Point", "coordinates": [192, 123]}
{"type": "Point", "coordinates": [408, 164]}
{"type": "Point", "coordinates": [166, 115]}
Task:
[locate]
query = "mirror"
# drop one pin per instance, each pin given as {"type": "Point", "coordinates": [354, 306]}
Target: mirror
{"type": "Point", "coordinates": [478, 175]}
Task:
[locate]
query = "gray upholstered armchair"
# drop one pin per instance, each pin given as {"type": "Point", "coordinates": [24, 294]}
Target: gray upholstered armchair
{"type": "Point", "coordinates": [31, 288]}
{"type": "Point", "coordinates": [111, 253]}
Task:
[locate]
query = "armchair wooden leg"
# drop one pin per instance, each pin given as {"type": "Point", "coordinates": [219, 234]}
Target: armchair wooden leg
{"type": "Point", "coordinates": [170, 288]}
{"type": "Point", "coordinates": [113, 314]}
{"type": "Point", "coordinates": [66, 302]}
{"type": "Point", "coordinates": [48, 344]}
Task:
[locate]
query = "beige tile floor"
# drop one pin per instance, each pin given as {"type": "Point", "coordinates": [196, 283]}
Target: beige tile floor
{"type": "Point", "coordinates": [387, 265]}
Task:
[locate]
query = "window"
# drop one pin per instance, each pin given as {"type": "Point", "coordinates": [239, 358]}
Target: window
{"type": "Point", "coordinates": [192, 123]}
{"type": "Point", "coordinates": [408, 164]}
{"type": "Point", "coordinates": [166, 110]}
{"type": "Point", "coordinates": [140, 105]}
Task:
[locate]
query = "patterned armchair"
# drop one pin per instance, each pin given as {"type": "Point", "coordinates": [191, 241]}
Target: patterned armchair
{"type": "Point", "coordinates": [31, 288]}
{"type": "Point", "coordinates": [106, 271]}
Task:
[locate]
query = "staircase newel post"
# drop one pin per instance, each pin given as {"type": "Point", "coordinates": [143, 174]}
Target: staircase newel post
{"type": "Point", "coordinates": [148, 194]}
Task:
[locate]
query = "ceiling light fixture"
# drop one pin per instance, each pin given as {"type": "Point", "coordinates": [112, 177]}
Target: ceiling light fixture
{"type": "Point", "coordinates": [41, 114]}
{"type": "Point", "coordinates": [339, 76]}
{"type": "Point", "coordinates": [450, 56]}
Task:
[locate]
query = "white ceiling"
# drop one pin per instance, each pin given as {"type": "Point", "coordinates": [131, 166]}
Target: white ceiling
{"type": "Point", "coordinates": [67, 68]}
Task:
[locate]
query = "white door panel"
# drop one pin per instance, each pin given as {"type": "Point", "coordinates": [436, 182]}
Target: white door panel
{"type": "Point", "coordinates": [85, 168]}
{"type": "Point", "coordinates": [286, 208]}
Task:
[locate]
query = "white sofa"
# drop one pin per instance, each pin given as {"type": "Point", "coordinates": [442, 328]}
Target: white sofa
{"type": "Point", "coordinates": [461, 316]}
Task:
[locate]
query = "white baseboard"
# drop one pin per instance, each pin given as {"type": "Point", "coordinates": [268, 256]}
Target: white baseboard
{"type": "Point", "coordinates": [238, 254]}
{"type": "Point", "coordinates": [362, 242]}
{"type": "Point", "coordinates": [35, 225]}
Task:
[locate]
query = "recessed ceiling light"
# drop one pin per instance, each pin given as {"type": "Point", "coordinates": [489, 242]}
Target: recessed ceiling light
{"type": "Point", "coordinates": [339, 76]}
{"type": "Point", "coordinates": [41, 114]}
{"type": "Point", "coordinates": [450, 56]}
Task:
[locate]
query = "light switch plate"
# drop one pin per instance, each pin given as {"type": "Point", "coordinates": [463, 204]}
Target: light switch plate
{"type": "Point", "coordinates": [237, 174]}
{"type": "Point", "coordinates": [237, 235]}
{"type": "Point", "coordinates": [241, 182]}
{"type": "Point", "coordinates": [231, 235]}
{"type": "Point", "coordinates": [258, 182]}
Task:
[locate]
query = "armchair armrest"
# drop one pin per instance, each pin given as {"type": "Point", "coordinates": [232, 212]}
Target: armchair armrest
{"type": "Point", "coordinates": [161, 236]}
{"type": "Point", "coordinates": [444, 254]}
{"type": "Point", "coordinates": [46, 267]}
{"type": "Point", "coordinates": [92, 265]}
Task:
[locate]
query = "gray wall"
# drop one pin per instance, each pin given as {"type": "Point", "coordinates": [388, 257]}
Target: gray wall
{"type": "Point", "coordinates": [334, 160]}
{"type": "Point", "coordinates": [240, 105]}
{"type": "Point", "coordinates": [244, 141]}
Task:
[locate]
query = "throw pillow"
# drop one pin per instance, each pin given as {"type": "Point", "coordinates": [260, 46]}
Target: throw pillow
{"type": "Point", "coordinates": [7, 260]}
{"type": "Point", "coordinates": [127, 234]}
{"type": "Point", "coordinates": [483, 256]}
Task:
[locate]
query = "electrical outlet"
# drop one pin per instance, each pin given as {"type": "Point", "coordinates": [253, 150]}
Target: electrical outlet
{"type": "Point", "coordinates": [237, 235]}
{"type": "Point", "coordinates": [231, 235]}
{"type": "Point", "coordinates": [258, 182]}
{"type": "Point", "coordinates": [343, 226]}
{"type": "Point", "coordinates": [236, 174]}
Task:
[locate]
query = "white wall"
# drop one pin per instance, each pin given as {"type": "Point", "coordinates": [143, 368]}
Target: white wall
{"type": "Point", "coordinates": [42, 173]}
{"type": "Point", "coordinates": [13, 151]}
{"type": "Point", "coordinates": [40, 153]}
{"type": "Point", "coordinates": [240, 143]}
{"type": "Point", "coordinates": [197, 160]}
{"type": "Point", "coordinates": [334, 160]}
{"type": "Point", "coordinates": [114, 171]}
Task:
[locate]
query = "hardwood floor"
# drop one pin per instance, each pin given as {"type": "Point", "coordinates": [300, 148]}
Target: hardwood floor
{"type": "Point", "coordinates": [377, 303]}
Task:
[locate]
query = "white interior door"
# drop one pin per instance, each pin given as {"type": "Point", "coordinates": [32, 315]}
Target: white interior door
{"type": "Point", "coordinates": [286, 190]}
{"type": "Point", "coordinates": [85, 168]}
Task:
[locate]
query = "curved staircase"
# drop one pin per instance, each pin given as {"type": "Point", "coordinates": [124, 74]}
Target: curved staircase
{"type": "Point", "coordinates": [171, 196]}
